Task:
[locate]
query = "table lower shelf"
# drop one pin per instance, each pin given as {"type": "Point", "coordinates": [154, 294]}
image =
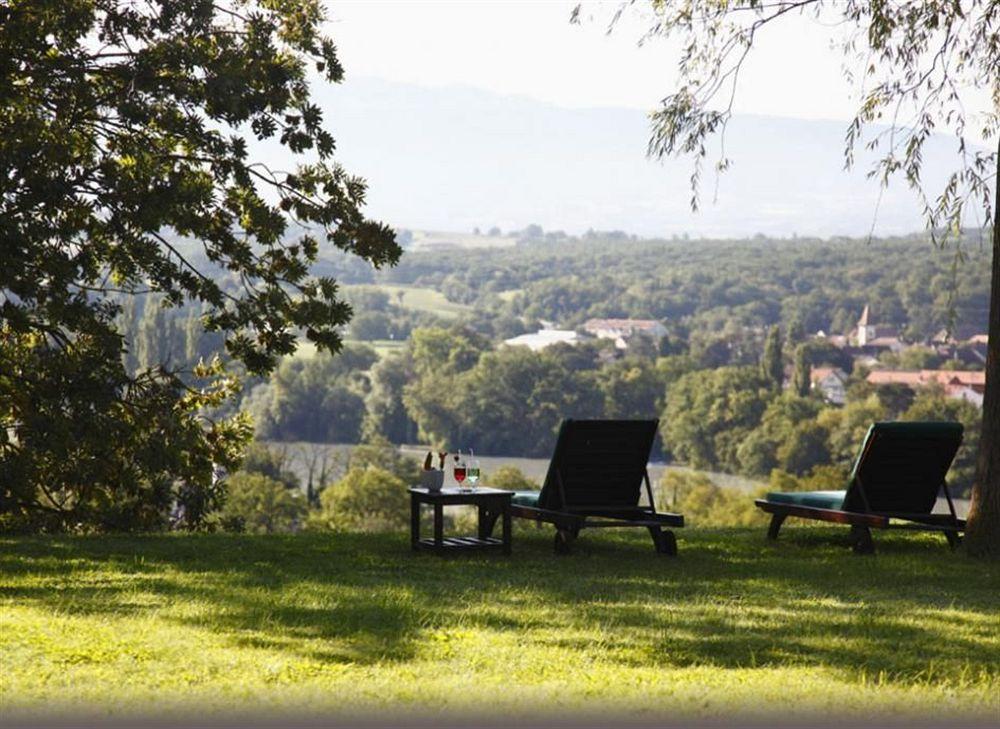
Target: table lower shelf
{"type": "Point", "coordinates": [450, 543]}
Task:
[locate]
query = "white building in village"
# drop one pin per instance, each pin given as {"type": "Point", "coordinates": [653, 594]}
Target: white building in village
{"type": "Point", "coordinates": [621, 330]}
{"type": "Point", "coordinates": [874, 336]}
{"type": "Point", "coordinates": [543, 338]}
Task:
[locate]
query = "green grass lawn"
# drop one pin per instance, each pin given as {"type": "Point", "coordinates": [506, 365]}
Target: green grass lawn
{"type": "Point", "coordinates": [355, 624]}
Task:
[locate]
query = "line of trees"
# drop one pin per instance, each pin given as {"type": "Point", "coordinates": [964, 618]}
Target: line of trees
{"type": "Point", "coordinates": [453, 388]}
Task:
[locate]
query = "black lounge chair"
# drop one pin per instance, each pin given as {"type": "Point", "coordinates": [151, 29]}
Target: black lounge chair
{"type": "Point", "coordinates": [894, 485]}
{"type": "Point", "coordinates": [595, 480]}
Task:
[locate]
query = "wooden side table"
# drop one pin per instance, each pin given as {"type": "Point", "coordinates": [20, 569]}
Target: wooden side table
{"type": "Point", "coordinates": [492, 504]}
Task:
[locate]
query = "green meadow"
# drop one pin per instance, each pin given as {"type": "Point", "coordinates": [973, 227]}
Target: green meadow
{"type": "Point", "coordinates": [354, 624]}
{"type": "Point", "coordinates": [382, 347]}
{"type": "Point", "coordinates": [420, 298]}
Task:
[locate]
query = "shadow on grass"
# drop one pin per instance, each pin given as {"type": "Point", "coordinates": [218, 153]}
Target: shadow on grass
{"type": "Point", "coordinates": [729, 600]}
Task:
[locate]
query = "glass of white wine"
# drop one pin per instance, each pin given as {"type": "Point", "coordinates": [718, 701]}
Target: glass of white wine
{"type": "Point", "coordinates": [472, 474]}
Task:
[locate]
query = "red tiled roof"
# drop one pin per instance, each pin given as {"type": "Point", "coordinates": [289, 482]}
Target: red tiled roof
{"type": "Point", "coordinates": [892, 377]}
{"type": "Point", "coordinates": [819, 373]}
{"type": "Point", "coordinates": [915, 378]}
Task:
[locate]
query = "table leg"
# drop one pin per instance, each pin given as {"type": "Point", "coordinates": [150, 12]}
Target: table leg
{"type": "Point", "coordinates": [506, 529]}
{"type": "Point", "coordinates": [414, 524]}
{"type": "Point", "coordinates": [484, 517]}
{"type": "Point", "coordinates": [439, 528]}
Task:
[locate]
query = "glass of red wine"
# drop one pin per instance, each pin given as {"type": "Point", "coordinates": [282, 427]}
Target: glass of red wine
{"type": "Point", "coordinates": [459, 471]}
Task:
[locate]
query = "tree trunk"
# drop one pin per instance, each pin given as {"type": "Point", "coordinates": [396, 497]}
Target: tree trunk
{"type": "Point", "coordinates": [982, 537]}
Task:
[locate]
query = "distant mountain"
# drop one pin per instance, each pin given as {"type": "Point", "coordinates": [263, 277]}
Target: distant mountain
{"type": "Point", "coordinates": [454, 158]}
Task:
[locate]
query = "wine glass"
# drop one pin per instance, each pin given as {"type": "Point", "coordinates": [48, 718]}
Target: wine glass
{"type": "Point", "coordinates": [459, 472]}
{"type": "Point", "coordinates": [472, 473]}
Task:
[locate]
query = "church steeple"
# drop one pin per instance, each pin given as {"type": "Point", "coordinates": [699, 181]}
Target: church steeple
{"type": "Point", "coordinates": [863, 321]}
{"type": "Point", "coordinates": [866, 330]}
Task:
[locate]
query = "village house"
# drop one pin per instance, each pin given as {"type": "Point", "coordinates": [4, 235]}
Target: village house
{"type": "Point", "coordinates": [622, 330]}
{"type": "Point", "coordinates": [958, 335]}
{"type": "Point", "coordinates": [969, 394]}
{"type": "Point", "coordinates": [966, 385]}
{"type": "Point", "coordinates": [961, 345]}
{"type": "Point", "coordinates": [543, 338]}
{"type": "Point", "coordinates": [831, 382]}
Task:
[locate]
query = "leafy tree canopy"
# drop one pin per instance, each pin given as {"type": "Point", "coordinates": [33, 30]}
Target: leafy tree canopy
{"type": "Point", "coordinates": [123, 145]}
{"type": "Point", "coordinates": [367, 498]}
{"type": "Point", "coordinates": [259, 504]}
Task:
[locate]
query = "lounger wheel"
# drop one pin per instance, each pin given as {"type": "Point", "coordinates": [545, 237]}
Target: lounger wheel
{"type": "Point", "coordinates": [564, 540]}
{"type": "Point", "coordinates": [954, 539]}
{"type": "Point", "coordinates": [665, 541]}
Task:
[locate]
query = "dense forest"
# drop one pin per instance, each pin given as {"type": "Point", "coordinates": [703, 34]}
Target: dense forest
{"type": "Point", "coordinates": [711, 285]}
{"type": "Point", "coordinates": [448, 380]}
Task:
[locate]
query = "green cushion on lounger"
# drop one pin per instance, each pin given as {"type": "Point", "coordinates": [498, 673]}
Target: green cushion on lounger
{"type": "Point", "coordinates": [816, 499]}
{"type": "Point", "coordinates": [525, 498]}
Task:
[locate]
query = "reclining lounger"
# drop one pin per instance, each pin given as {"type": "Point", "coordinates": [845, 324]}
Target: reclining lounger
{"type": "Point", "coordinates": [595, 480]}
{"type": "Point", "coordinates": [897, 476]}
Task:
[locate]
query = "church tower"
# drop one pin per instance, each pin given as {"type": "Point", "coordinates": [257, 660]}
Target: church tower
{"type": "Point", "coordinates": [866, 330]}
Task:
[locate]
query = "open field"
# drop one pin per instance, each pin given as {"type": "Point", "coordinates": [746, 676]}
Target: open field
{"type": "Point", "coordinates": [348, 624]}
{"type": "Point", "coordinates": [382, 347]}
{"type": "Point", "coordinates": [413, 297]}
{"type": "Point", "coordinates": [421, 299]}
{"type": "Point", "coordinates": [425, 299]}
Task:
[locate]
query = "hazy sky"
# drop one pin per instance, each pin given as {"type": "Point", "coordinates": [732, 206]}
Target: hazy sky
{"type": "Point", "coordinates": [444, 72]}
{"type": "Point", "coordinates": [531, 49]}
